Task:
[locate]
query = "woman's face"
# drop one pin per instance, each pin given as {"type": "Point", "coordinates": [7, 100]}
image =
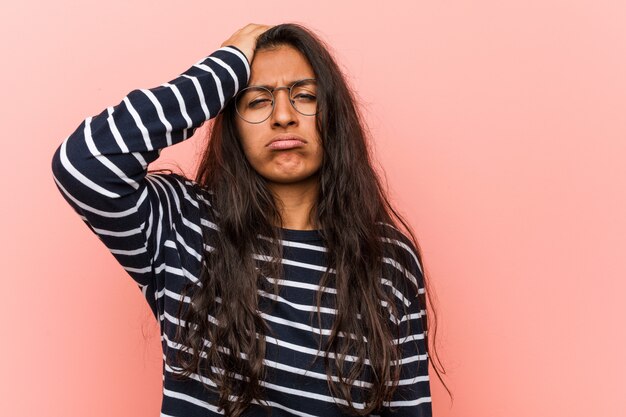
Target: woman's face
{"type": "Point", "coordinates": [293, 165]}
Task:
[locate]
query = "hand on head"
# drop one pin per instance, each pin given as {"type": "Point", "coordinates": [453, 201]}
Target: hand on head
{"type": "Point", "coordinates": [245, 38]}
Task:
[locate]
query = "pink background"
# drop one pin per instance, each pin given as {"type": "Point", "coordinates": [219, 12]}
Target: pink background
{"type": "Point", "coordinates": [501, 126]}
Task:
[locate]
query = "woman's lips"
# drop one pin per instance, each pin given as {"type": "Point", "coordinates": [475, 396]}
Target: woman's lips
{"type": "Point", "coordinates": [283, 144]}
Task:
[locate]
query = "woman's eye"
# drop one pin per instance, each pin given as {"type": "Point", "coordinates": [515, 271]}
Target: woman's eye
{"type": "Point", "coordinates": [305, 97]}
{"type": "Point", "coordinates": [259, 103]}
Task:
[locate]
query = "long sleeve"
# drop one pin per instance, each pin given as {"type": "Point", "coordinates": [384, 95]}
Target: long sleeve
{"type": "Point", "coordinates": [101, 168]}
{"type": "Point", "coordinates": [412, 398]}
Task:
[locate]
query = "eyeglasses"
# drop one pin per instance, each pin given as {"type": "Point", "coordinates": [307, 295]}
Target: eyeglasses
{"type": "Point", "coordinates": [256, 104]}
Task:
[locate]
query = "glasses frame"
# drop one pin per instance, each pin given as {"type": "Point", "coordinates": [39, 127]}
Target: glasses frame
{"type": "Point", "coordinates": [288, 88]}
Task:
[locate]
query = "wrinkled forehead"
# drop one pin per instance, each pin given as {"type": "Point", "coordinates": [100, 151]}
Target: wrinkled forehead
{"type": "Point", "coordinates": [279, 66]}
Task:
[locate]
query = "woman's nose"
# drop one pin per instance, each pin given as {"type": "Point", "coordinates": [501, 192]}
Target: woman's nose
{"type": "Point", "coordinates": [284, 113]}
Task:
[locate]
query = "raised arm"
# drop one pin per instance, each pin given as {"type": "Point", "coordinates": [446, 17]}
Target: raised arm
{"type": "Point", "coordinates": [101, 168]}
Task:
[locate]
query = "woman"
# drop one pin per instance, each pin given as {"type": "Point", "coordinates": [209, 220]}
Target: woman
{"type": "Point", "coordinates": [279, 276]}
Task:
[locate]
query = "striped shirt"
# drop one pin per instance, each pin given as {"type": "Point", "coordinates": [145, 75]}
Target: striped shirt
{"type": "Point", "coordinates": [153, 225]}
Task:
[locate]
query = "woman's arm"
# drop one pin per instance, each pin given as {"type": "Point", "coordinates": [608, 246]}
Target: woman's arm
{"type": "Point", "coordinates": [412, 397]}
{"type": "Point", "coordinates": [101, 168]}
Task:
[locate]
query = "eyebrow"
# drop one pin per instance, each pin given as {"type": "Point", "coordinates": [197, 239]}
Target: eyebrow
{"type": "Point", "coordinates": [291, 82]}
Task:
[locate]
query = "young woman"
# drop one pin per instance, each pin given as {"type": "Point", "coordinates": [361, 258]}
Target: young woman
{"type": "Point", "coordinates": [280, 276]}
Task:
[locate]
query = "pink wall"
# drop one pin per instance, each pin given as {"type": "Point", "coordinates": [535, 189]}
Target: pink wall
{"type": "Point", "coordinates": [501, 126]}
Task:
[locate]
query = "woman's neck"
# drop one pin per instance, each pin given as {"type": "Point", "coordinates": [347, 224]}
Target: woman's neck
{"type": "Point", "coordinates": [296, 203]}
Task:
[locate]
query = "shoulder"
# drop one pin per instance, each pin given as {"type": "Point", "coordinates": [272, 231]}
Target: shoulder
{"type": "Point", "coordinates": [401, 257]}
{"type": "Point", "coordinates": [398, 244]}
{"type": "Point", "coordinates": [391, 234]}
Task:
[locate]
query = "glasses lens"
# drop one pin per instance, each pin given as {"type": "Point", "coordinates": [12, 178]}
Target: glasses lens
{"type": "Point", "coordinates": [254, 104]}
{"type": "Point", "coordinates": [304, 97]}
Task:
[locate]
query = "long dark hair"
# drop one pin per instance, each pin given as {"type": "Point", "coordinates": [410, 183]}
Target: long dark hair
{"type": "Point", "coordinates": [353, 215]}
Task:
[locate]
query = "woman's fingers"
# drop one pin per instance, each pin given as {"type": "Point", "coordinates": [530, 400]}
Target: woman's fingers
{"type": "Point", "coordinates": [245, 38]}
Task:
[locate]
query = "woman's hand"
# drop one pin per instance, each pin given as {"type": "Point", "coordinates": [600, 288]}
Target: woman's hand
{"type": "Point", "coordinates": [245, 38]}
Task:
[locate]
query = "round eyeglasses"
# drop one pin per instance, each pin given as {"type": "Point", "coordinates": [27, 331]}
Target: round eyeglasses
{"type": "Point", "coordinates": [256, 104]}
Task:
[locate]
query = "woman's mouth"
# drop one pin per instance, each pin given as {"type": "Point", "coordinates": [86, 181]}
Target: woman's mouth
{"type": "Point", "coordinates": [283, 144]}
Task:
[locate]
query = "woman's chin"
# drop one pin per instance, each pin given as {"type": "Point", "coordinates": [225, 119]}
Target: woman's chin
{"type": "Point", "coordinates": [292, 178]}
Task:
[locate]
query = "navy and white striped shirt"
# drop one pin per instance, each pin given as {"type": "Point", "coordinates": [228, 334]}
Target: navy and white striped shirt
{"type": "Point", "coordinates": [153, 223]}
